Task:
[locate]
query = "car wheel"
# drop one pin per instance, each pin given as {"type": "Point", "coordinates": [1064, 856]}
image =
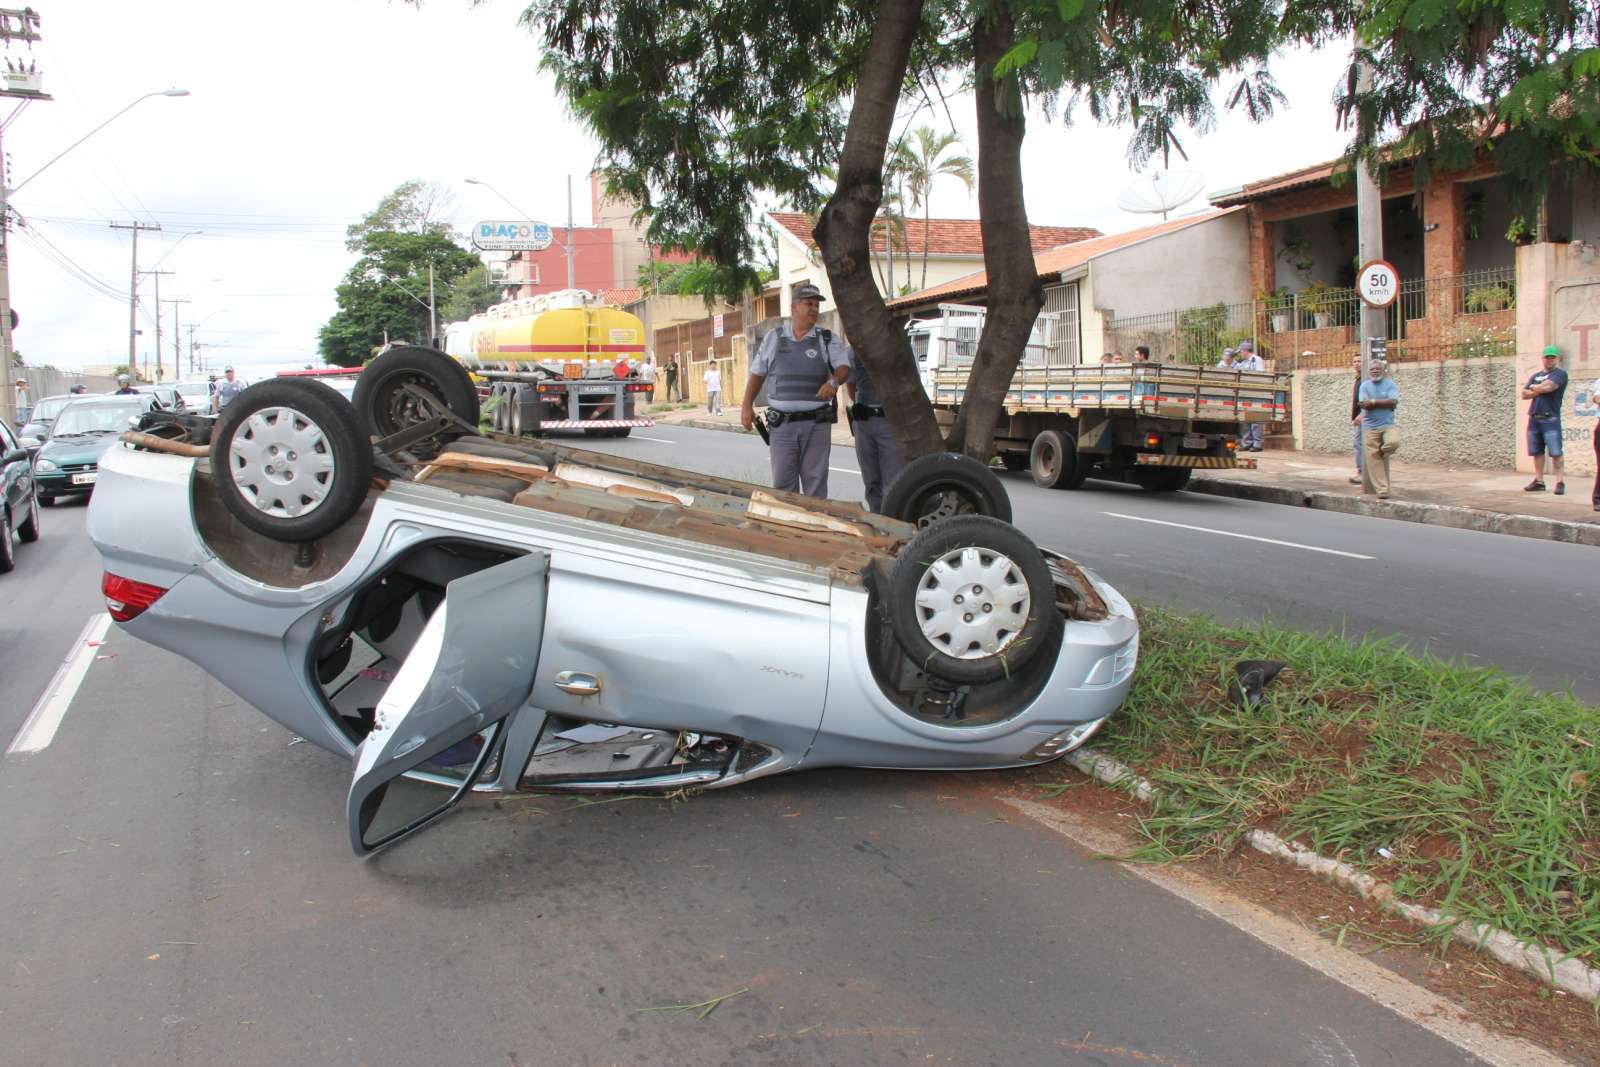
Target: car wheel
{"type": "Point", "coordinates": [47, 501]}
{"type": "Point", "coordinates": [385, 406]}
{"type": "Point", "coordinates": [8, 548]}
{"type": "Point", "coordinates": [1161, 479]}
{"type": "Point", "coordinates": [28, 532]}
{"type": "Point", "coordinates": [943, 485]}
{"type": "Point", "coordinates": [971, 600]}
{"type": "Point", "coordinates": [1053, 461]}
{"type": "Point", "coordinates": [289, 460]}
{"type": "Point", "coordinates": [501, 418]}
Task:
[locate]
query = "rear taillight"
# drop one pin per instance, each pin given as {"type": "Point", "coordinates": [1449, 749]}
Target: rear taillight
{"type": "Point", "coordinates": [125, 598]}
{"type": "Point", "coordinates": [1152, 440]}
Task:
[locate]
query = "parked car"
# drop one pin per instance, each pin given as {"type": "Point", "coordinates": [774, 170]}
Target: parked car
{"type": "Point", "coordinates": [19, 500]}
{"type": "Point", "coordinates": [43, 416]}
{"type": "Point", "coordinates": [196, 395]}
{"type": "Point", "coordinates": [68, 462]}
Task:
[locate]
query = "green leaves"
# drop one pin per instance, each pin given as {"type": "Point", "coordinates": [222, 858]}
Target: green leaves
{"type": "Point", "coordinates": [1019, 56]}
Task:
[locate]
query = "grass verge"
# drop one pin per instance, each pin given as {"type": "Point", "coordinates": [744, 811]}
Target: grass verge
{"type": "Point", "coordinates": [1464, 788]}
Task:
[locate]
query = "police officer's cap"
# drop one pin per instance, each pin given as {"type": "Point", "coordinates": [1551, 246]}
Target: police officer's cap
{"type": "Point", "coordinates": [808, 292]}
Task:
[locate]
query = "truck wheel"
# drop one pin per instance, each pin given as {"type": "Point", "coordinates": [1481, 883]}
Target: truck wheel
{"type": "Point", "coordinates": [971, 600]}
{"type": "Point", "coordinates": [1053, 461]}
{"type": "Point", "coordinates": [1161, 479]}
{"type": "Point", "coordinates": [289, 460]}
{"type": "Point", "coordinates": [943, 485]}
{"type": "Point", "coordinates": [383, 404]}
{"type": "Point", "coordinates": [514, 421]}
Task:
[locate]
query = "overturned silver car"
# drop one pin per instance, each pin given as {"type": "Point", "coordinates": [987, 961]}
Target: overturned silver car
{"type": "Point", "coordinates": [499, 615]}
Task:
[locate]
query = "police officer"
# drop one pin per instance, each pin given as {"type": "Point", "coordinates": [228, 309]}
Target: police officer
{"type": "Point", "coordinates": [876, 453]}
{"type": "Point", "coordinates": [124, 387]}
{"type": "Point", "coordinates": [807, 365]}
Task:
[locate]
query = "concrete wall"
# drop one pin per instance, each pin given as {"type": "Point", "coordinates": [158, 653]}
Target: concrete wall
{"type": "Point", "coordinates": [1455, 411]}
{"type": "Point", "coordinates": [795, 266]}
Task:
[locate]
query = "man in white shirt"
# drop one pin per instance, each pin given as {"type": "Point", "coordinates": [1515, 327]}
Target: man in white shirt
{"type": "Point", "coordinates": [1255, 433]}
{"type": "Point", "coordinates": [713, 380]}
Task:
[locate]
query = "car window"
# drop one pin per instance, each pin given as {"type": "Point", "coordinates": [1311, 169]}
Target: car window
{"type": "Point", "coordinates": [48, 408]}
{"type": "Point", "coordinates": [93, 418]}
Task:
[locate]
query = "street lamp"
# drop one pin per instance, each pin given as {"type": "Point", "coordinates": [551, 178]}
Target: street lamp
{"type": "Point", "coordinates": [502, 196]}
{"type": "Point", "coordinates": [7, 410]}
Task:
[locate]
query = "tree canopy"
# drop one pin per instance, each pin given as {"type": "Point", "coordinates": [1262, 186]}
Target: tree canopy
{"type": "Point", "coordinates": [384, 295]}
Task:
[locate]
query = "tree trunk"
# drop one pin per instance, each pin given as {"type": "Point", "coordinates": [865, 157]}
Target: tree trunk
{"type": "Point", "coordinates": [1013, 281]}
{"type": "Point", "coordinates": [843, 232]}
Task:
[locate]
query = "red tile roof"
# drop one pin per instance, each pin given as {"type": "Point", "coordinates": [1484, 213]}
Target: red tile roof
{"type": "Point", "coordinates": [620, 297]}
{"type": "Point", "coordinates": [1294, 179]}
{"type": "Point", "coordinates": [1054, 262]}
{"type": "Point", "coordinates": [948, 237]}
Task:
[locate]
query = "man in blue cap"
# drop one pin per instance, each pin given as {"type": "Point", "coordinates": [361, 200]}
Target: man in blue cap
{"type": "Point", "coordinates": [806, 365]}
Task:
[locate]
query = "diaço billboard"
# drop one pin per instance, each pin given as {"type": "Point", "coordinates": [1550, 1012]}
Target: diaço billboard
{"type": "Point", "coordinates": [511, 235]}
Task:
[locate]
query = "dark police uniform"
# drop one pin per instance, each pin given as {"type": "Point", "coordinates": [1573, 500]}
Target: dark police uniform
{"type": "Point", "coordinates": [876, 453]}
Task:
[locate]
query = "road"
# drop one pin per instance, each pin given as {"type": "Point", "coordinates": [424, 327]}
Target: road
{"type": "Point", "coordinates": [180, 888]}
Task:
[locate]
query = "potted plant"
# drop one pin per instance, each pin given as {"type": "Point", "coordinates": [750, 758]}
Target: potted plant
{"type": "Point", "coordinates": [1318, 299]}
{"type": "Point", "coordinates": [1279, 306]}
{"type": "Point", "coordinates": [1495, 297]}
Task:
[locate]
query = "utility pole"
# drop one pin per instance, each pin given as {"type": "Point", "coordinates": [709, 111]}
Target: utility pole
{"type": "Point", "coordinates": [177, 352]}
{"type": "Point", "coordinates": [571, 284]}
{"type": "Point", "coordinates": [191, 350]}
{"type": "Point", "coordinates": [1369, 223]}
{"type": "Point", "coordinates": [133, 293]}
{"type": "Point", "coordinates": [433, 315]}
{"type": "Point", "coordinates": [158, 274]}
{"type": "Point", "coordinates": [15, 25]}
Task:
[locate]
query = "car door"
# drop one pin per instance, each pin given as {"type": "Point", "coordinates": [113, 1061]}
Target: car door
{"type": "Point", "coordinates": [17, 478]}
{"type": "Point", "coordinates": [440, 722]}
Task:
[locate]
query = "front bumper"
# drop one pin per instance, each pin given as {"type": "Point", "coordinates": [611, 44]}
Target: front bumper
{"type": "Point", "coordinates": [60, 483]}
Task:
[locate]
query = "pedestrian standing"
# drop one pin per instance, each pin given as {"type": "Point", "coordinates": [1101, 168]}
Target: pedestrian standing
{"type": "Point", "coordinates": [647, 373]}
{"type": "Point", "coordinates": [876, 453]}
{"type": "Point", "coordinates": [1378, 398]}
{"type": "Point", "coordinates": [1356, 420]}
{"type": "Point", "coordinates": [806, 366]}
{"type": "Point", "coordinates": [1545, 389]}
{"type": "Point", "coordinates": [227, 389]}
{"type": "Point", "coordinates": [713, 379]}
{"type": "Point", "coordinates": [1226, 362]}
{"type": "Point", "coordinates": [672, 377]}
{"type": "Point", "coordinates": [24, 402]}
{"type": "Point", "coordinates": [1255, 433]}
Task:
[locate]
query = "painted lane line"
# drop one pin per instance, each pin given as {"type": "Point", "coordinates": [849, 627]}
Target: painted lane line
{"type": "Point", "coordinates": [657, 440]}
{"type": "Point", "coordinates": [39, 728]}
{"type": "Point", "coordinates": [1246, 537]}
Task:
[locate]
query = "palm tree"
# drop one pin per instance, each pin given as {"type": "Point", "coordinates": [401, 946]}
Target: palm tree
{"type": "Point", "coordinates": [920, 164]}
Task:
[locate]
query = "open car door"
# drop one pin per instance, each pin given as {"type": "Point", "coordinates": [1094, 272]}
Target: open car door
{"type": "Point", "coordinates": [440, 723]}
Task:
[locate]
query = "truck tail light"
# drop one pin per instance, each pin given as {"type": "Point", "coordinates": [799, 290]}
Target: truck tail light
{"type": "Point", "coordinates": [125, 598]}
{"type": "Point", "coordinates": [1152, 440]}
{"type": "Point", "coordinates": [1231, 444]}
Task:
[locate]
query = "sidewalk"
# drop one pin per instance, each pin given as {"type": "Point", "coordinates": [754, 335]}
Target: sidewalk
{"type": "Point", "coordinates": [1468, 499]}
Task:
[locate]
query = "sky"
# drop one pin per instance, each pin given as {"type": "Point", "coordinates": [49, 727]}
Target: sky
{"type": "Point", "coordinates": [302, 115]}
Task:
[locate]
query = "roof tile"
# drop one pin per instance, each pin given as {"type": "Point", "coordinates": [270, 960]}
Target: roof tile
{"type": "Point", "coordinates": [950, 237]}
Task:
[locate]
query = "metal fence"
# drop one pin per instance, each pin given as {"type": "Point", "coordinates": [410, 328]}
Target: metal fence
{"type": "Point", "coordinates": [1462, 316]}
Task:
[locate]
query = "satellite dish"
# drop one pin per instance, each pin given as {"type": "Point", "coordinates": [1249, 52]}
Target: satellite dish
{"type": "Point", "coordinates": [1161, 192]}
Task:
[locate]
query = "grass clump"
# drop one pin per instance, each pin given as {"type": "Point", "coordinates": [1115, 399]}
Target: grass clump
{"type": "Point", "coordinates": [1482, 795]}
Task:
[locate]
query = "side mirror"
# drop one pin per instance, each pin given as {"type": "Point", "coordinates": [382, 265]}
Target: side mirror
{"type": "Point", "coordinates": [16, 455]}
{"type": "Point", "coordinates": [32, 444]}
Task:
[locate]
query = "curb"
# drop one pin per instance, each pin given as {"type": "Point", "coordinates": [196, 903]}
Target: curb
{"type": "Point", "coordinates": [1460, 518]}
{"type": "Point", "coordinates": [1540, 961]}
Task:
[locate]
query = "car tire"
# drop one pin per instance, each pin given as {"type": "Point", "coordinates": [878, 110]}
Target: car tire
{"type": "Point", "coordinates": [289, 460]}
{"type": "Point", "coordinates": [384, 407]}
{"type": "Point", "coordinates": [28, 532]}
{"type": "Point", "coordinates": [8, 547]}
{"type": "Point", "coordinates": [1053, 461]}
{"type": "Point", "coordinates": [979, 563]}
{"type": "Point", "coordinates": [943, 485]}
{"type": "Point", "coordinates": [1161, 479]}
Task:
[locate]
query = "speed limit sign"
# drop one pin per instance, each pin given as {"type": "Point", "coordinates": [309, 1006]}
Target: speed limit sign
{"type": "Point", "coordinates": [1378, 283]}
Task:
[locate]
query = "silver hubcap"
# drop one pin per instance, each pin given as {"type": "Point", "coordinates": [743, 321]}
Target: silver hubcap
{"type": "Point", "coordinates": [972, 603]}
{"type": "Point", "coordinates": [281, 462]}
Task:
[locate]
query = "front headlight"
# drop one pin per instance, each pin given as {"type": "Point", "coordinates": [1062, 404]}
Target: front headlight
{"type": "Point", "coordinates": [44, 466]}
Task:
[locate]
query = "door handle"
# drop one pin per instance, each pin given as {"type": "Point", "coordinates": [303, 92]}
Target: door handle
{"type": "Point", "coordinates": [577, 683]}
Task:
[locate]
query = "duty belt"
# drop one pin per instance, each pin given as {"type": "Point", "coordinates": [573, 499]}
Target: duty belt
{"type": "Point", "coordinates": [867, 411]}
{"type": "Point", "coordinates": [778, 418]}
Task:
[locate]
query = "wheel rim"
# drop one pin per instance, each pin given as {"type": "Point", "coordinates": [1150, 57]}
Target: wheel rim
{"type": "Point", "coordinates": [395, 407]}
{"type": "Point", "coordinates": [944, 502]}
{"type": "Point", "coordinates": [972, 603]}
{"type": "Point", "coordinates": [1049, 460]}
{"type": "Point", "coordinates": [281, 462]}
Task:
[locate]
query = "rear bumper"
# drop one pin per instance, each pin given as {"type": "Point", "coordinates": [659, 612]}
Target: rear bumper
{"type": "Point", "coordinates": [1159, 459]}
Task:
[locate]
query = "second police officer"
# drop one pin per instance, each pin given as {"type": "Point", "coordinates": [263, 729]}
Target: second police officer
{"type": "Point", "coordinates": [876, 453]}
{"type": "Point", "coordinates": [806, 366]}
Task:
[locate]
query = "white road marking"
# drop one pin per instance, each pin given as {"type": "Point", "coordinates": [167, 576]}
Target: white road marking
{"type": "Point", "coordinates": [1426, 1009]}
{"type": "Point", "coordinates": [1246, 537]}
{"type": "Point", "coordinates": [845, 470]}
{"type": "Point", "coordinates": [39, 728]}
{"type": "Point", "coordinates": [657, 440]}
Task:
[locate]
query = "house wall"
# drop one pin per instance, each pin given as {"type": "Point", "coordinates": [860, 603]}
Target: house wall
{"type": "Point", "coordinates": [1586, 210]}
{"type": "Point", "coordinates": [1461, 412]}
{"type": "Point", "coordinates": [795, 266]}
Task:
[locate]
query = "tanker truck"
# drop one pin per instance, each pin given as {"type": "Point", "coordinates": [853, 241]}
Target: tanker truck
{"type": "Point", "coordinates": [558, 361]}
